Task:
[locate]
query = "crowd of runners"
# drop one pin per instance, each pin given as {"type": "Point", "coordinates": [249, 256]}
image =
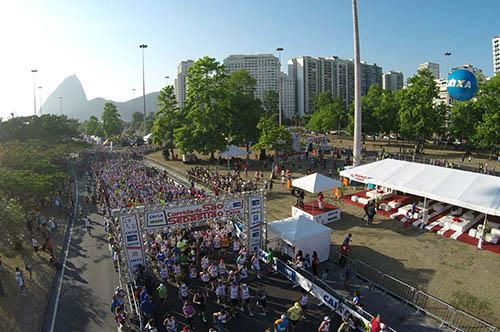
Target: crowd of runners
{"type": "Point", "coordinates": [200, 279]}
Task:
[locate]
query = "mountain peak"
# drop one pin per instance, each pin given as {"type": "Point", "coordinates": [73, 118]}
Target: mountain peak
{"type": "Point", "coordinates": [72, 93]}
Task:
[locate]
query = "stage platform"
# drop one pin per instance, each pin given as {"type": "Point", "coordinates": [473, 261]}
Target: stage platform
{"type": "Point", "coordinates": [311, 210]}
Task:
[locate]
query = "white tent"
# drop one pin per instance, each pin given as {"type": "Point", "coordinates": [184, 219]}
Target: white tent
{"type": "Point", "coordinates": [315, 183]}
{"type": "Point", "coordinates": [303, 234]}
{"type": "Point", "coordinates": [475, 191]}
{"type": "Point", "coordinates": [233, 151]}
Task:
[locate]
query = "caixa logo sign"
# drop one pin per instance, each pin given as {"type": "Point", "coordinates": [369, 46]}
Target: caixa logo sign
{"type": "Point", "coordinates": [462, 85]}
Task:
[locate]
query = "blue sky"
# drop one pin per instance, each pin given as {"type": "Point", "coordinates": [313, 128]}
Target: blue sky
{"type": "Point", "coordinates": [98, 40]}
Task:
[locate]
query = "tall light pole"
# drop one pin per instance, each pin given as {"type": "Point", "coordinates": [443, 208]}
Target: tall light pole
{"type": "Point", "coordinates": [60, 105]}
{"type": "Point", "coordinates": [279, 49]}
{"type": "Point", "coordinates": [40, 99]}
{"type": "Point", "coordinates": [357, 88]}
{"type": "Point", "coordinates": [34, 71]}
{"type": "Point", "coordinates": [166, 78]}
{"type": "Point", "coordinates": [143, 46]}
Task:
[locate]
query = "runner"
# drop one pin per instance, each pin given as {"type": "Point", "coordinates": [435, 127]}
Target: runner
{"type": "Point", "coordinates": [245, 297]}
{"type": "Point", "coordinates": [325, 325]}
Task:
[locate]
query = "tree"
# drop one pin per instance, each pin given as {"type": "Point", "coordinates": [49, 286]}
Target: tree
{"type": "Point", "coordinates": [48, 127]}
{"type": "Point", "coordinates": [12, 221]}
{"type": "Point", "coordinates": [322, 99]}
{"type": "Point", "coordinates": [137, 120]}
{"type": "Point", "coordinates": [111, 122]}
{"type": "Point", "coordinates": [92, 126]}
{"type": "Point", "coordinates": [417, 116]}
{"type": "Point", "coordinates": [369, 105]}
{"type": "Point", "coordinates": [273, 137]}
{"type": "Point", "coordinates": [245, 110]}
{"type": "Point", "coordinates": [167, 118]}
{"type": "Point", "coordinates": [270, 101]}
{"type": "Point", "coordinates": [488, 101]}
{"type": "Point", "coordinates": [386, 114]}
{"type": "Point", "coordinates": [464, 117]}
{"type": "Point", "coordinates": [205, 127]}
{"type": "Point", "coordinates": [329, 116]}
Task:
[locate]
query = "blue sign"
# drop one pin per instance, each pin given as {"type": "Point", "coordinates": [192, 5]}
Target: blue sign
{"type": "Point", "coordinates": [286, 271]}
{"type": "Point", "coordinates": [462, 85]}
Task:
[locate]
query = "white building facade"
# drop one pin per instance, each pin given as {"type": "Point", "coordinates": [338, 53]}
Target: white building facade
{"type": "Point", "coordinates": [433, 67]}
{"type": "Point", "coordinates": [287, 96]}
{"type": "Point", "coordinates": [265, 68]}
{"type": "Point", "coordinates": [392, 80]}
{"type": "Point", "coordinates": [180, 82]}
{"type": "Point", "coordinates": [332, 74]}
{"type": "Point", "coordinates": [495, 44]}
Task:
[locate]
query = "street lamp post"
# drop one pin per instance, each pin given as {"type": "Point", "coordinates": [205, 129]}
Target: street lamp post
{"type": "Point", "coordinates": [40, 99]}
{"type": "Point", "coordinates": [166, 78]}
{"type": "Point", "coordinates": [143, 46]}
{"type": "Point", "coordinates": [60, 105]}
{"type": "Point", "coordinates": [357, 88]}
{"type": "Point", "coordinates": [133, 99]}
{"type": "Point", "coordinates": [279, 49]}
{"type": "Point", "coordinates": [34, 71]}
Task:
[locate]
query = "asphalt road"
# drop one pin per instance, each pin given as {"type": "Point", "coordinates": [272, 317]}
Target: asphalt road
{"type": "Point", "coordinates": [89, 281]}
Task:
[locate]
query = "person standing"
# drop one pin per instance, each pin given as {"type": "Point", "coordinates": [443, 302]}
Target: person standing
{"type": "Point", "coordinates": [245, 298]}
{"type": "Point", "coordinates": [375, 324]}
{"type": "Point", "coordinates": [325, 325]}
{"type": "Point", "coordinates": [162, 294]}
{"type": "Point", "coordinates": [189, 313]}
{"type": "Point", "coordinates": [199, 300]}
{"type": "Point", "coordinates": [220, 319]}
{"type": "Point", "coordinates": [295, 314]}
{"type": "Point", "coordinates": [20, 281]}
{"type": "Point", "coordinates": [281, 324]}
{"type": "Point", "coordinates": [170, 323]}
{"type": "Point", "coordinates": [315, 263]}
{"type": "Point", "coordinates": [370, 212]}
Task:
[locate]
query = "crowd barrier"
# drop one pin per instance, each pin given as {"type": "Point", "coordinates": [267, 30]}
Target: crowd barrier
{"type": "Point", "coordinates": [445, 313]}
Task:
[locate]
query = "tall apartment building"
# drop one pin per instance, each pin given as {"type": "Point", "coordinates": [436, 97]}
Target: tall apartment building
{"type": "Point", "coordinates": [495, 44]}
{"type": "Point", "coordinates": [333, 74]}
{"type": "Point", "coordinates": [433, 67]}
{"type": "Point", "coordinates": [443, 95]}
{"type": "Point", "coordinates": [392, 80]}
{"type": "Point", "coordinates": [476, 71]}
{"type": "Point", "coordinates": [180, 82]}
{"type": "Point", "coordinates": [265, 68]}
{"type": "Point", "coordinates": [287, 96]}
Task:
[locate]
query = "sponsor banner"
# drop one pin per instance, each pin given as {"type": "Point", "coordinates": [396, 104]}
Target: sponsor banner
{"type": "Point", "coordinates": [203, 212]}
{"type": "Point", "coordinates": [287, 271]}
{"type": "Point", "coordinates": [254, 203]}
{"type": "Point", "coordinates": [255, 237]}
{"type": "Point", "coordinates": [135, 257]}
{"type": "Point", "coordinates": [255, 218]}
{"type": "Point", "coordinates": [130, 231]}
{"type": "Point", "coordinates": [155, 219]}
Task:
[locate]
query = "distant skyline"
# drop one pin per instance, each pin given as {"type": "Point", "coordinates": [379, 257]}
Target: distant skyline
{"type": "Point", "coordinates": [99, 40]}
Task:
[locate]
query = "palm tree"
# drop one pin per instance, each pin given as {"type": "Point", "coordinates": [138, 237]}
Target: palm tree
{"type": "Point", "coordinates": [357, 88]}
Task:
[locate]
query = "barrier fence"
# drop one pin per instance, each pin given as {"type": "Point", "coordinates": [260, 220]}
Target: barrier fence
{"type": "Point", "coordinates": [445, 313]}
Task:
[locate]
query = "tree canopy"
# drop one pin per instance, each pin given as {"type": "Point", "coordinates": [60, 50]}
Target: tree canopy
{"type": "Point", "coordinates": [48, 127]}
{"type": "Point", "coordinates": [92, 126]}
{"type": "Point", "coordinates": [329, 116]}
{"type": "Point", "coordinates": [111, 123]}
{"type": "Point", "coordinates": [167, 118]}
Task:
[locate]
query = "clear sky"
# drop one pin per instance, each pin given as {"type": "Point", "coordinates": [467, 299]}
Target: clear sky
{"type": "Point", "coordinates": [98, 40]}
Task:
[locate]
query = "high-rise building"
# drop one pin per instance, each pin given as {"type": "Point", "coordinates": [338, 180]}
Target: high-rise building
{"type": "Point", "coordinates": [287, 96]}
{"type": "Point", "coordinates": [495, 44]}
{"type": "Point", "coordinates": [180, 82]}
{"type": "Point", "coordinates": [332, 74]}
{"type": "Point", "coordinates": [443, 95]}
{"type": "Point", "coordinates": [433, 67]}
{"type": "Point", "coordinates": [476, 71]}
{"type": "Point", "coordinates": [392, 80]}
{"type": "Point", "coordinates": [265, 68]}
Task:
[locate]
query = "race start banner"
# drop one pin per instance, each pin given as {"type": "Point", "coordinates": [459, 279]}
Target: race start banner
{"type": "Point", "coordinates": [132, 242]}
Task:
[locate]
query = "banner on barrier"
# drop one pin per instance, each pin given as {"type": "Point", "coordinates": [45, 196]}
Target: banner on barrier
{"type": "Point", "coordinates": [155, 219]}
{"type": "Point", "coordinates": [132, 242]}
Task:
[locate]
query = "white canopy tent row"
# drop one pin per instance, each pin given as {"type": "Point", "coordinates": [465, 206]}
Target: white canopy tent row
{"type": "Point", "coordinates": [300, 233]}
{"type": "Point", "coordinates": [468, 190]}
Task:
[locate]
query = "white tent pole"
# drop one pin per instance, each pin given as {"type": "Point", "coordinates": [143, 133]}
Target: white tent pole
{"type": "Point", "coordinates": [484, 226]}
{"type": "Point", "coordinates": [424, 216]}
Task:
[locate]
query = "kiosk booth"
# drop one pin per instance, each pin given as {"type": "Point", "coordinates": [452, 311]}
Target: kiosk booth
{"type": "Point", "coordinates": [322, 213]}
{"type": "Point", "coordinates": [300, 233]}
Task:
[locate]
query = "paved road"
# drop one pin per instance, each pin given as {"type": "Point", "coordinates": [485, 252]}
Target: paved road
{"type": "Point", "coordinates": [88, 282]}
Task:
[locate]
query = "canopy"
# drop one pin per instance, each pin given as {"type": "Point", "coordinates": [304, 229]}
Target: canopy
{"type": "Point", "coordinates": [475, 191]}
{"type": "Point", "coordinates": [315, 183]}
{"type": "Point", "coordinates": [303, 234]}
{"type": "Point", "coordinates": [233, 151]}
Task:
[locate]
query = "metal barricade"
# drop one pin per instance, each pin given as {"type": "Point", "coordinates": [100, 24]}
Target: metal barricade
{"type": "Point", "coordinates": [367, 272]}
{"type": "Point", "coordinates": [398, 289]}
{"type": "Point", "coordinates": [462, 321]}
{"type": "Point", "coordinates": [434, 307]}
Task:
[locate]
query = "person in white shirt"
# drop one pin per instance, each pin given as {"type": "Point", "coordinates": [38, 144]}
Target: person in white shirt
{"type": "Point", "coordinates": [245, 297]}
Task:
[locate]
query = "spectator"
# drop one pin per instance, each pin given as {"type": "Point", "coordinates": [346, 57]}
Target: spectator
{"type": "Point", "coordinates": [170, 323]}
{"type": "Point", "coordinates": [34, 242]}
{"type": "Point", "coordinates": [347, 239]}
{"type": "Point", "coordinates": [220, 319]}
{"type": "Point", "coordinates": [315, 263]}
{"type": "Point", "coordinates": [370, 212]}
{"type": "Point", "coordinates": [20, 281]}
{"type": "Point", "coordinates": [325, 325]}
{"type": "Point", "coordinates": [189, 312]}
{"type": "Point", "coordinates": [375, 324]}
{"type": "Point", "coordinates": [295, 313]}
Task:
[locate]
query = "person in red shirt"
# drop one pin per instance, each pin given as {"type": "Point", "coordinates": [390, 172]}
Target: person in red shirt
{"type": "Point", "coordinates": [321, 197]}
{"type": "Point", "coordinates": [375, 324]}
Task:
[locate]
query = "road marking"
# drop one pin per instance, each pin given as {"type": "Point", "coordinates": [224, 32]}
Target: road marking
{"type": "Point", "coordinates": [56, 305]}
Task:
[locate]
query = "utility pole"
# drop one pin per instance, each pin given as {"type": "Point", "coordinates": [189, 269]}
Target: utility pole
{"type": "Point", "coordinates": [34, 71]}
{"type": "Point", "coordinates": [143, 46]}
{"type": "Point", "coordinates": [357, 89]}
{"type": "Point", "coordinates": [60, 105]}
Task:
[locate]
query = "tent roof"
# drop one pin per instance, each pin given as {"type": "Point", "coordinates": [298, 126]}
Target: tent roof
{"type": "Point", "coordinates": [296, 228]}
{"type": "Point", "coordinates": [233, 151]}
{"type": "Point", "coordinates": [315, 183]}
{"type": "Point", "coordinates": [475, 191]}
